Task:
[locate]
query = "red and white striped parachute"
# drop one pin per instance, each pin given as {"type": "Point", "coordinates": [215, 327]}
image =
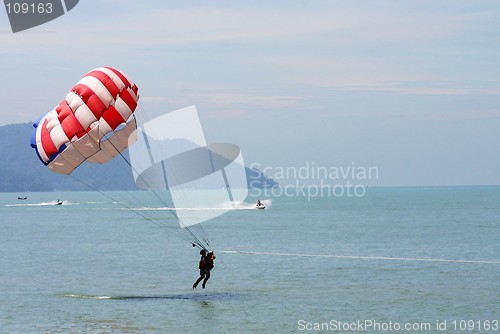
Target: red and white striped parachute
{"type": "Point", "coordinates": [93, 123]}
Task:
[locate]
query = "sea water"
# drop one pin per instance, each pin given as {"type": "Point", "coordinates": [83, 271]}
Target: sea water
{"type": "Point", "coordinates": [414, 259]}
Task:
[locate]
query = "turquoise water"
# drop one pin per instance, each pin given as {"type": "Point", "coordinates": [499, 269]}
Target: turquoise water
{"type": "Point", "coordinates": [392, 257]}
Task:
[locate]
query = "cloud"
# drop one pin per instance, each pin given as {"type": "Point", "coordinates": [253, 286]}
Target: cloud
{"type": "Point", "coordinates": [428, 87]}
{"type": "Point", "coordinates": [228, 104]}
{"type": "Point", "coordinates": [163, 26]}
{"type": "Point", "coordinates": [377, 22]}
{"type": "Point", "coordinates": [259, 57]}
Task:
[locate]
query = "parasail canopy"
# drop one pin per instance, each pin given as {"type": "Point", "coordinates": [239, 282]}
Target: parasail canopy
{"type": "Point", "coordinates": [93, 123]}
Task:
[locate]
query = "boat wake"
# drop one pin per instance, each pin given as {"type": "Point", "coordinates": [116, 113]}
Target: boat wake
{"type": "Point", "coordinates": [49, 203]}
{"type": "Point", "coordinates": [358, 257]}
{"type": "Point", "coordinates": [224, 206]}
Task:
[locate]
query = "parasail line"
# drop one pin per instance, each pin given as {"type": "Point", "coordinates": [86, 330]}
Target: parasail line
{"type": "Point", "coordinates": [91, 124]}
{"type": "Point", "coordinates": [196, 241]}
{"type": "Point", "coordinates": [135, 211]}
{"type": "Point", "coordinates": [356, 257]}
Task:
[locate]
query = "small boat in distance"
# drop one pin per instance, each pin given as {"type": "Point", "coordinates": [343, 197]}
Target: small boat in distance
{"type": "Point", "coordinates": [22, 198]}
{"type": "Point", "coordinates": [59, 202]}
{"type": "Point", "coordinates": [260, 205]}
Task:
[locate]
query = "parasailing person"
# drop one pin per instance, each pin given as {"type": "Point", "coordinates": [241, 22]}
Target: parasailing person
{"type": "Point", "coordinates": [201, 266]}
{"type": "Point", "coordinates": [205, 265]}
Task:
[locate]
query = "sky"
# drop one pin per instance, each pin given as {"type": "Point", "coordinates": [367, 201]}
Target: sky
{"type": "Point", "coordinates": [411, 88]}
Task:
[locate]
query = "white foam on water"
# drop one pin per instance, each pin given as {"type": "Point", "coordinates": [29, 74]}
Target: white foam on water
{"type": "Point", "coordinates": [356, 257]}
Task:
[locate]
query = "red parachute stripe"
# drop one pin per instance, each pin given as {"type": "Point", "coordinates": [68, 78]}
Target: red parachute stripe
{"type": "Point", "coordinates": [96, 106]}
{"type": "Point", "coordinates": [84, 91]}
{"type": "Point", "coordinates": [48, 145]}
{"type": "Point", "coordinates": [113, 117]}
{"type": "Point", "coordinates": [90, 99]}
{"type": "Point", "coordinates": [128, 99]}
{"type": "Point", "coordinates": [63, 110]}
{"type": "Point", "coordinates": [120, 75]}
{"type": "Point", "coordinates": [72, 127]}
{"type": "Point", "coordinates": [106, 81]}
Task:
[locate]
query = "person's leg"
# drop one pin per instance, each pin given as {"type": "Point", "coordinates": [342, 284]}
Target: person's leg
{"type": "Point", "coordinates": [202, 276]}
{"type": "Point", "coordinates": [207, 276]}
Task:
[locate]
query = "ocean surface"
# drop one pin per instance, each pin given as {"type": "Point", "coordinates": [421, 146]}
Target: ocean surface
{"type": "Point", "coordinates": [413, 259]}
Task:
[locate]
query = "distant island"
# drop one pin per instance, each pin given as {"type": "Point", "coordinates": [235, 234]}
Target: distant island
{"type": "Point", "coordinates": [22, 171]}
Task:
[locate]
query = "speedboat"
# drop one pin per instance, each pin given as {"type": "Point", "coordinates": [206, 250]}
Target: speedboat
{"type": "Point", "coordinates": [59, 202]}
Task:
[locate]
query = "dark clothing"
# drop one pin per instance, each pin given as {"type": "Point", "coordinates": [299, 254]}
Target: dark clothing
{"type": "Point", "coordinates": [205, 265]}
{"type": "Point", "coordinates": [209, 264]}
{"type": "Point", "coordinates": [203, 273]}
{"type": "Point", "coordinates": [203, 261]}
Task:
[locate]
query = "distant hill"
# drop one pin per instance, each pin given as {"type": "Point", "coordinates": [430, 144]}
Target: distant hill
{"type": "Point", "coordinates": [21, 170]}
